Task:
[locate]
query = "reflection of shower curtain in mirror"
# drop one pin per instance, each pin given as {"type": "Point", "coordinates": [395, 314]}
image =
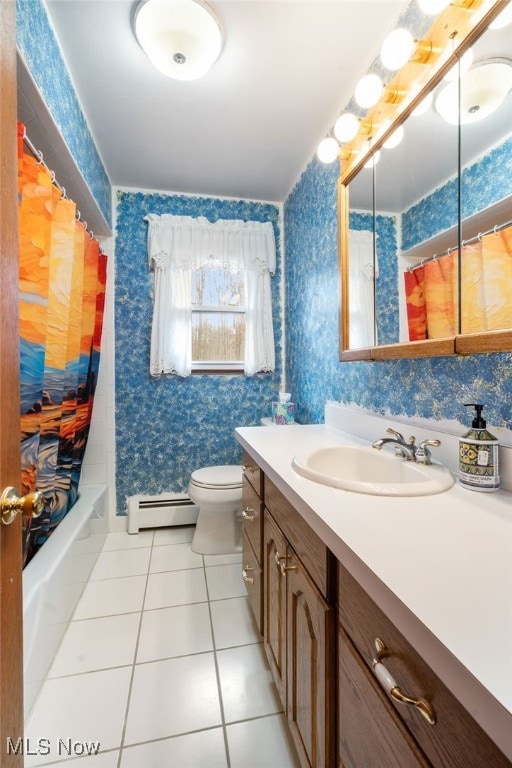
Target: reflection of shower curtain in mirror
{"type": "Point", "coordinates": [62, 288]}
{"type": "Point", "coordinates": [487, 283]}
{"type": "Point", "coordinates": [362, 274]}
{"type": "Point", "coordinates": [486, 295]}
{"type": "Point", "coordinates": [432, 298]}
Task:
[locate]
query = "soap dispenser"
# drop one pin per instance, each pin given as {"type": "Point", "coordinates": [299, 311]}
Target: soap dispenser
{"type": "Point", "coordinates": [478, 455]}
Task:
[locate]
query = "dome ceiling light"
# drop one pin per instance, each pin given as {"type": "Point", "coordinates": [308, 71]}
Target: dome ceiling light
{"type": "Point", "coordinates": [182, 38]}
{"type": "Point", "coordinates": [483, 90]}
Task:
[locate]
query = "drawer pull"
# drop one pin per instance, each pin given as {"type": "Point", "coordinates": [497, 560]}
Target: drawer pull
{"type": "Point", "coordinates": [388, 682]}
{"type": "Point", "coordinates": [245, 577]}
{"type": "Point", "coordinates": [247, 516]}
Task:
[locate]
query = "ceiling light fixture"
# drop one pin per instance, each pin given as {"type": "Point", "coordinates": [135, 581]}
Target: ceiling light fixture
{"type": "Point", "coordinates": [483, 90]}
{"type": "Point", "coordinates": [368, 91]}
{"type": "Point", "coordinates": [182, 38]}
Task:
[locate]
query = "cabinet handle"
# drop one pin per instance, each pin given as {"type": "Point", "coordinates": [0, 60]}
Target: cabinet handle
{"type": "Point", "coordinates": [280, 562]}
{"type": "Point", "coordinates": [388, 682]}
{"type": "Point", "coordinates": [278, 558]}
{"type": "Point", "coordinates": [248, 517]}
{"type": "Point", "coordinates": [248, 468]}
{"type": "Point", "coordinates": [245, 577]}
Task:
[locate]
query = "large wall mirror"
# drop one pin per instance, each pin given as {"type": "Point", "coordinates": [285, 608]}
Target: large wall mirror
{"type": "Point", "coordinates": [426, 224]}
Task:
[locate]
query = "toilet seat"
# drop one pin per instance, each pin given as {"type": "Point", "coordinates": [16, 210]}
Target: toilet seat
{"type": "Point", "coordinates": [225, 477]}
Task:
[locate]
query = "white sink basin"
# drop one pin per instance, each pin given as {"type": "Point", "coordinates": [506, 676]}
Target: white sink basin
{"type": "Point", "coordinates": [365, 470]}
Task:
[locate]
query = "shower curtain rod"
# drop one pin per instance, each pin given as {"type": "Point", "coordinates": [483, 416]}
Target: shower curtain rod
{"type": "Point", "coordinates": [39, 156]}
{"type": "Point", "coordinates": [494, 230]}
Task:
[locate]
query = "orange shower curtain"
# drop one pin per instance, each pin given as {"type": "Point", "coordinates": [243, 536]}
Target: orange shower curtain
{"type": "Point", "coordinates": [62, 287]}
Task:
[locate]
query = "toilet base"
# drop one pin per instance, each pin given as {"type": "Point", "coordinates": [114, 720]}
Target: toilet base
{"type": "Point", "coordinates": [218, 532]}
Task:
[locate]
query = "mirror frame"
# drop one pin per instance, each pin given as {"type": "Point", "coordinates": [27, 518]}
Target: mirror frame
{"type": "Point", "coordinates": [458, 27]}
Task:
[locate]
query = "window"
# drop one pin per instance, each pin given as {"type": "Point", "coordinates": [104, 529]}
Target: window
{"type": "Point", "coordinates": [218, 317]}
{"type": "Point", "coordinates": [212, 303]}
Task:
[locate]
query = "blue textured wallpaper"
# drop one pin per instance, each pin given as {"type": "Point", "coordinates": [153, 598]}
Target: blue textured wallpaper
{"type": "Point", "coordinates": [37, 43]}
{"type": "Point", "coordinates": [166, 427]}
{"type": "Point", "coordinates": [433, 388]}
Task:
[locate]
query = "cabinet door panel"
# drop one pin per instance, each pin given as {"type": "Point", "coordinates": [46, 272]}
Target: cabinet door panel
{"type": "Point", "coordinates": [252, 516]}
{"type": "Point", "coordinates": [253, 473]}
{"type": "Point", "coordinates": [253, 579]}
{"type": "Point", "coordinates": [309, 547]}
{"type": "Point", "coordinates": [274, 602]}
{"type": "Point", "coordinates": [370, 732]}
{"type": "Point", "coordinates": [310, 682]}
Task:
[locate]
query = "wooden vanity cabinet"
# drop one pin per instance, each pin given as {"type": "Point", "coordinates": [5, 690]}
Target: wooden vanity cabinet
{"type": "Point", "coordinates": [252, 536]}
{"type": "Point", "coordinates": [299, 628]}
{"type": "Point", "coordinates": [337, 711]}
{"type": "Point", "coordinates": [454, 740]}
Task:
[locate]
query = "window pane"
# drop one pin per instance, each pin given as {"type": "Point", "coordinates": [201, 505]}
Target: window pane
{"type": "Point", "coordinates": [218, 336]}
{"type": "Point", "coordinates": [215, 286]}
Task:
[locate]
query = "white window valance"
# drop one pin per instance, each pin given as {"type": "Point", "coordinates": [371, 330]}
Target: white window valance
{"type": "Point", "coordinates": [177, 245]}
{"type": "Point", "coordinates": [186, 242]}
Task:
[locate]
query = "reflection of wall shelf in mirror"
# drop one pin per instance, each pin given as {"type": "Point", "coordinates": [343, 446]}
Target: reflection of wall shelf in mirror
{"type": "Point", "coordinates": [483, 221]}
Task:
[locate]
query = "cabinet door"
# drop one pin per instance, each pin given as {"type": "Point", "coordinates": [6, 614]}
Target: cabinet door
{"type": "Point", "coordinates": [311, 668]}
{"type": "Point", "coordinates": [274, 602]}
{"type": "Point", "coordinates": [369, 731]}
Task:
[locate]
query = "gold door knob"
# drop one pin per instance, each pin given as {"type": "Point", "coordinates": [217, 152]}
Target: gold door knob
{"type": "Point", "coordinates": [30, 505]}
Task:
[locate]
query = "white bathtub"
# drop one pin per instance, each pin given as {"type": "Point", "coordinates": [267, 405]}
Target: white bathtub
{"type": "Point", "coordinates": [54, 580]}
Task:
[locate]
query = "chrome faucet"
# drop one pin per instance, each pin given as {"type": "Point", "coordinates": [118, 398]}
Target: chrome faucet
{"type": "Point", "coordinates": [404, 450]}
{"type": "Point", "coordinates": [408, 451]}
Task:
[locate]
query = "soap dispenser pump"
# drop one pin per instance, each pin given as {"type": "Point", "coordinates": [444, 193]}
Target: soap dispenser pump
{"type": "Point", "coordinates": [478, 455]}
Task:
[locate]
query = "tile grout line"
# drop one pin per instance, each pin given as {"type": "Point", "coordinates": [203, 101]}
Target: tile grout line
{"type": "Point", "coordinates": [217, 673]}
{"type": "Point", "coordinates": [128, 698]}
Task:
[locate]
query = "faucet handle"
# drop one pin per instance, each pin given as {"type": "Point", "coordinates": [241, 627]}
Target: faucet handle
{"type": "Point", "coordinates": [422, 452]}
{"type": "Point", "coordinates": [398, 436]}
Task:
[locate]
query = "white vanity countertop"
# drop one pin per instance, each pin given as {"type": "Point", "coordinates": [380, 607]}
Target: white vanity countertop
{"type": "Point", "coordinates": [445, 558]}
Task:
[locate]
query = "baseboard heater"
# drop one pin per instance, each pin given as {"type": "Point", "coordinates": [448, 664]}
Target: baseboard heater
{"type": "Point", "coordinates": [158, 511]}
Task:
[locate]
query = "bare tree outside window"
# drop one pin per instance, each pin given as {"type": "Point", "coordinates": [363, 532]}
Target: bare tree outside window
{"type": "Point", "coordinates": [218, 314]}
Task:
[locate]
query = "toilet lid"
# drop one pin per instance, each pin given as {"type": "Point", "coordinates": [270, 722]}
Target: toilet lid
{"type": "Point", "coordinates": [226, 476]}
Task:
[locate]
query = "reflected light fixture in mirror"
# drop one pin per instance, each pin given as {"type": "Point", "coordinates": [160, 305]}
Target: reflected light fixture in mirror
{"type": "Point", "coordinates": [181, 38]}
{"type": "Point", "coordinates": [395, 138]}
{"type": "Point", "coordinates": [374, 159]}
{"type": "Point", "coordinates": [483, 90]}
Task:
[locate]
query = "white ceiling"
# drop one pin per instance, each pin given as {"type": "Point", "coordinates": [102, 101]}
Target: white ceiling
{"type": "Point", "coordinates": [250, 126]}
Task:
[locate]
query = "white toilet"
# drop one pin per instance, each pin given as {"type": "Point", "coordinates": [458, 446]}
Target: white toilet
{"type": "Point", "coordinates": [217, 491]}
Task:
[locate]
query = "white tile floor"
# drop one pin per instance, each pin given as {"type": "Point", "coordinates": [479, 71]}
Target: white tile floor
{"type": "Point", "coordinates": [161, 665]}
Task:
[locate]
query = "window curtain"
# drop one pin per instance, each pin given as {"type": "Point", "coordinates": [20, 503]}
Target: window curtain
{"type": "Point", "coordinates": [179, 244]}
{"type": "Point", "coordinates": [363, 270]}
